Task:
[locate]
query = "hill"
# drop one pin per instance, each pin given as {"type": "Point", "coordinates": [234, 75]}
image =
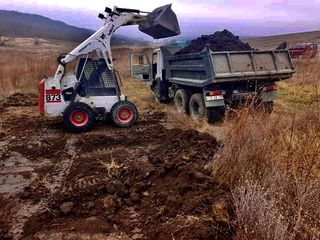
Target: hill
{"type": "Point", "coordinates": [17, 24]}
{"type": "Point", "coordinates": [23, 25]}
{"type": "Point", "coordinates": [271, 42]}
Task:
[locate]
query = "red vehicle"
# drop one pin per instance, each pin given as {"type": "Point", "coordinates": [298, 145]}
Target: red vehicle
{"type": "Point", "coordinates": [304, 50]}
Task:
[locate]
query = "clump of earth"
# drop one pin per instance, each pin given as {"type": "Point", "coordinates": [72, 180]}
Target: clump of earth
{"type": "Point", "coordinates": [146, 182]}
{"type": "Point", "coordinates": [19, 100]}
{"type": "Point", "coordinates": [217, 42]}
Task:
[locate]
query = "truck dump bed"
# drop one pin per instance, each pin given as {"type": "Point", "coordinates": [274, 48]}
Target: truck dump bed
{"type": "Point", "coordinates": [207, 67]}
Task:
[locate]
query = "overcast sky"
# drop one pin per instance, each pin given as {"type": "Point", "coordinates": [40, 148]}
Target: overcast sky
{"type": "Point", "coordinates": [245, 17]}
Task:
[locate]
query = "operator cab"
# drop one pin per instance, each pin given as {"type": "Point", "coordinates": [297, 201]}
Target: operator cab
{"type": "Point", "coordinates": [93, 78]}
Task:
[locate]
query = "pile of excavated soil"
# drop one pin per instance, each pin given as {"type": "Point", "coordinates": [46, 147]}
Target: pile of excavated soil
{"type": "Point", "coordinates": [217, 42]}
{"type": "Point", "coordinates": [19, 100]}
{"type": "Point", "coordinates": [147, 182]}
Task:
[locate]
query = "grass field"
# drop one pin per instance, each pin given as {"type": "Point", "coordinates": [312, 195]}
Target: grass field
{"type": "Point", "coordinates": [271, 42]}
{"type": "Point", "coordinates": [270, 164]}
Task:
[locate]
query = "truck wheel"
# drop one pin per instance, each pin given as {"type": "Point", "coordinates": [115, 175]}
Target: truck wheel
{"type": "Point", "coordinates": [181, 100]}
{"type": "Point", "coordinates": [157, 95]}
{"type": "Point", "coordinates": [79, 117]}
{"type": "Point", "coordinates": [214, 114]}
{"type": "Point", "coordinates": [197, 107]}
{"type": "Point", "coordinates": [156, 92]}
{"type": "Point", "coordinates": [124, 114]}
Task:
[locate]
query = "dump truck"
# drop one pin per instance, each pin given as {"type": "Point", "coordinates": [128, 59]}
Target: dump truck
{"type": "Point", "coordinates": [203, 84]}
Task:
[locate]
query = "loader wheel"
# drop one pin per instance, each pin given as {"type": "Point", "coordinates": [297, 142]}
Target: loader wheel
{"type": "Point", "coordinates": [197, 107]}
{"type": "Point", "coordinates": [181, 100]}
{"type": "Point", "coordinates": [79, 117]}
{"type": "Point", "coordinates": [124, 114]}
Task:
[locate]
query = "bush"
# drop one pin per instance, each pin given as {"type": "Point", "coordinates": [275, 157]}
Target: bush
{"type": "Point", "coordinates": [272, 166]}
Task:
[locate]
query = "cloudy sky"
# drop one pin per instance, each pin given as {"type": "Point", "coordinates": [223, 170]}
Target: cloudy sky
{"type": "Point", "coordinates": [244, 17]}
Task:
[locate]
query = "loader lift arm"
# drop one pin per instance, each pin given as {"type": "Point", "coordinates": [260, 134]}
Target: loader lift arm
{"type": "Point", "coordinates": [100, 40]}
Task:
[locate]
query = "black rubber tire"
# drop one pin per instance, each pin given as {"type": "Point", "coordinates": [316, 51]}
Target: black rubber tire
{"type": "Point", "coordinates": [181, 100]}
{"type": "Point", "coordinates": [70, 113]}
{"type": "Point", "coordinates": [214, 114]}
{"type": "Point", "coordinates": [156, 92]}
{"type": "Point", "coordinates": [197, 107]}
{"type": "Point", "coordinates": [129, 108]}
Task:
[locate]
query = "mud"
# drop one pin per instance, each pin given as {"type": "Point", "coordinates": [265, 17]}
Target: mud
{"type": "Point", "coordinates": [19, 100]}
{"type": "Point", "coordinates": [217, 42]}
{"type": "Point", "coordinates": [146, 182]}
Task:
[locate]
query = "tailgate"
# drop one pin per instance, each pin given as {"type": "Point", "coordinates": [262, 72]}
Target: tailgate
{"type": "Point", "coordinates": [252, 64]}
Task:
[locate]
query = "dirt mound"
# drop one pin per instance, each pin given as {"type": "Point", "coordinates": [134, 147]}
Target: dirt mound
{"type": "Point", "coordinates": [282, 46]}
{"type": "Point", "coordinates": [219, 41]}
{"type": "Point", "coordinates": [19, 100]}
{"type": "Point", "coordinates": [148, 182]}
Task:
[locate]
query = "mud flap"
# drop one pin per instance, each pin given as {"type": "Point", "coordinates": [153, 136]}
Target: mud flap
{"type": "Point", "coordinates": [161, 23]}
{"type": "Point", "coordinates": [269, 96]}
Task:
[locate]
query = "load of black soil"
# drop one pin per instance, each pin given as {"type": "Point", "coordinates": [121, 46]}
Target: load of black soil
{"type": "Point", "coordinates": [19, 100]}
{"type": "Point", "coordinates": [217, 42]}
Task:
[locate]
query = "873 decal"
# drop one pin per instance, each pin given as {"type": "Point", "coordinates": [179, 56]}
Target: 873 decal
{"type": "Point", "coordinates": [53, 96]}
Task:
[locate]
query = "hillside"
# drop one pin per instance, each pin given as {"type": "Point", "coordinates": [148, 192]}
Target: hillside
{"type": "Point", "coordinates": [16, 24]}
{"type": "Point", "coordinates": [24, 25]}
{"type": "Point", "coordinates": [271, 42]}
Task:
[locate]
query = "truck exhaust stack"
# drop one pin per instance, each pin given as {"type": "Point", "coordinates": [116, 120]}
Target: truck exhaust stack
{"type": "Point", "coordinates": [161, 23]}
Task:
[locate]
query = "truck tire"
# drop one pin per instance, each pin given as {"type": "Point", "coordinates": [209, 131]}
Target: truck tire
{"type": "Point", "coordinates": [181, 100]}
{"type": "Point", "coordinates": [124, 114]}
{"type": "Point", "coordinates": [214, 114]}
{"type": "Point", "coordinates": [197, 107]}
{"type": "Point", "coordinates": [79, 117]}
{"type": "Point", "coordinates": [156, 92]}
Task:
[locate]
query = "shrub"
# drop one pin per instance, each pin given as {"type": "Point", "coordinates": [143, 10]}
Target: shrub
{"type": "Point", "coordinates": [272, 166]}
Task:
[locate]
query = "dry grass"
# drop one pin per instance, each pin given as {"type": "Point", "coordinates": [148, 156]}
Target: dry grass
{"type": "Point", "coordinates": [23, 63]}
{"type": "Point", "coordinates": [22, 71]}
{"type": "Point", "coordinates": [304, 88]}
{"type": "Point", "coordinates": [272, 166]}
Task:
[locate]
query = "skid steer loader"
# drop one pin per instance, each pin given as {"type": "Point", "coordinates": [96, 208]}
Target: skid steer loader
{"type": "Point", "coordinates": [92, 92]}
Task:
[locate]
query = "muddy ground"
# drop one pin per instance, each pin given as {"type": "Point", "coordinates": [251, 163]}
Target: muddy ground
{"type": "Point", "coordinates": [146, 182]}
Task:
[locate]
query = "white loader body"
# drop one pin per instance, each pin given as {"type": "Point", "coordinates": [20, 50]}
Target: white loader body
{"type": "Point", "coordinates": [93, 91]}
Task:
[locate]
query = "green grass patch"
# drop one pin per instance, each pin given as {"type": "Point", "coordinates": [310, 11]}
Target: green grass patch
{"type": "Point", "coordinates": [297, 96]}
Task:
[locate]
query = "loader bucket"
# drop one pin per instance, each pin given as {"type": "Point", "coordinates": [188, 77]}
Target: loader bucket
{"type": "Point", "coordinates": [161, 23]}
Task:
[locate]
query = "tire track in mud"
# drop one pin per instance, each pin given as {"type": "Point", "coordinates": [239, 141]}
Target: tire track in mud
{"type": "Point", "coordinates": [54, 181]}
{"type": "Point", "coordinates": [135, 181]}
{"type": "Point", "coordinates": [139, 181]}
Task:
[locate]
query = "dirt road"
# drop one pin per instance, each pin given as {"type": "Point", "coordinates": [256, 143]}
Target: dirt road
{"type": "Point", "coordinates": [146, 182]}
